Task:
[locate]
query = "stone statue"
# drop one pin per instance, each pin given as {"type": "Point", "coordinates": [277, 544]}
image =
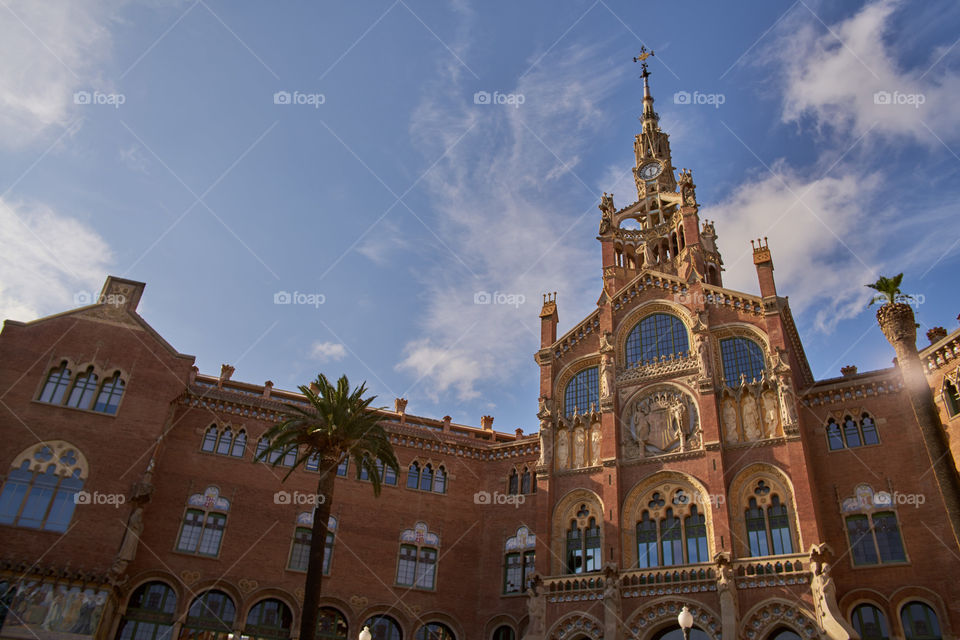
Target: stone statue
{"type": "Point", "coordinates": [771, 414]}
{"type": "Point", "coordinates": [546, 443]}
{"type": "Point", "coordinates": [544, 409]}
{"type": "Point", "coordinates": [606, 342]}
{"type": "Point", "coordinates": [730, 421]}
{"type": "Point", "coordinates": [606, 376]}
{"type": "Point", "coordinates": [579, 449]}
{"type": "Point", "coordinates": [751, 419]}
{"type": "Point", "coordinates": [727, 592]}
{"type": "Point", "coordinates": [703, 348]}
{"type": "Point", "coordinates": [648, 258]}
{"type": "Point", "coordinates": [536, 611]}
{"type": "Point", "coordinates": [563, 449]}
{"type": "Point", "coordinates": [788, 401]}
{"type": "Point", "coordinates": [825, 595]}
{"type": "Point", "coordinates": [606, 222]}
{"type": "Point", "coordinates": [678, 414]}
{"type": "Point", "coordinates": [595, 445]}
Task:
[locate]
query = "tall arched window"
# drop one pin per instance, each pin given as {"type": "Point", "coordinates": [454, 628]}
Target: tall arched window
{"type": "Point", "coordinates": [834, 435]}
{"type": "Point", "coordinates": [203, 523]}
{"type": "Point", "coordinates": [504, 632]}
{"type": "Point", "coordinates": [303, 536]}
{"type": "Point", "coordinates": [384, 628]}
{"type": "Point", "coordinates": [417, 560]}
{"type": "Point", "coordinates": [413, 476]}
{"type": "Point", "coordinates": [40, 490]}
{"type": "Point", "coordinates": [872, 527]}
{"type": "Point", "coordinates": [426, 478]}
{"type": "Point", "coordinates": [695, 533]}
{"type": "Point", "coordinates": [110, 393]}
{"type": "Point", "coordinates": [658, 336]}
{"type": "Point", "coordinates": [519, 560]}
{"type": "Point", "coordinates": [742, 360]}
{"type": "Point", "coordinates": [525, 481]}
{"type": "Point", "coordinates": [434, 631]}
{"type": "Point", "coordinates": [210, 617]}
{"type": "Point", "coordinates": [150, 613]}
{"type": "Point", "coordinates": [583, 545]}
{"type": "Point", "coordinates": [768, 531]}
{"type": "Point", "coordinates": [440, 480]}
{"type": "Point", "coordinates": [83, 391]}
{"type": "Point", "coordinates": [226, 442]}
{"type": "Point", "coordinates": [210, 440]}
{"type": "Point", "coordinates": [853, 433]}
{"type": "Point", "coordinates": [582, 392]}
{"type": "Point", "coordinates": [669, 522]}
{"type": "Point", "coordinates": [513, 483]}
{"type": "Point", "coordinates": [331, 624]}
{"type": "Point", "coordinates": [648, 543]}
{"type": "Point", "coordinates": [55, 388]}
{"type": "Point", "coordinates": [268, 619]}
{"type": "Point", "coordinates": [950, 397]}
{"type": "Point", "coordinates": [239, 444]}
{"type": "Point", "coordinates": [870, 622]}
{"type": "Point", "coordinates": [920, 622]}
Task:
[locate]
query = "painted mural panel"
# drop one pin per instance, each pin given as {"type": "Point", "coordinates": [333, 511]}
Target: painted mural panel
{"type": "Point", "coordinates": [45, 611]}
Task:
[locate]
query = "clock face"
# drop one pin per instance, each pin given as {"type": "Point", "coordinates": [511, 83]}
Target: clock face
{"type": "Point", "coordinates": [650, 170]}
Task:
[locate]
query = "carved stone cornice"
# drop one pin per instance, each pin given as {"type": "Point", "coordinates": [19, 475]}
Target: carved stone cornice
{"type": "Point", "coordinates": [671, 368]}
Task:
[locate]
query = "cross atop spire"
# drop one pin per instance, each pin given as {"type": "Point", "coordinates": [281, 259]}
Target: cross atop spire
{"type": "Point", "coordinates": [650, 118]}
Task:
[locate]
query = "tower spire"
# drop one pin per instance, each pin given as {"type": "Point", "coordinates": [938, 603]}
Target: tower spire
{"type": "Point", "coordinates": [649, 118]}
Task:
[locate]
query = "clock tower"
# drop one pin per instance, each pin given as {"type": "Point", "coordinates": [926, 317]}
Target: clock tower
{"type": "Point", "coordinates": [661, 231]}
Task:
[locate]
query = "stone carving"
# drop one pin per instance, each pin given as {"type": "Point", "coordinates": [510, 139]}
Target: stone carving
{"type": "Point", "coordinates": [536, 610]}
{"type": "Point", "coordinates": [729, 414]}
{"type": "Point", "coordinates": [606, 377]}
{"type": "Point", "coordinates": [612, 610]}
{"type": "Point", "coordinates": [579, 448]}
{"type": "Point", "coordinates": [664, 420]}
{"type": "Point", "coordinates": [788, 403]}
{"type": "Point", "coordinates": [546, 443]}
{"type": "Point", "coordinates": [606, 342]}
{"type": "Point", "coordinates": [825, 596]}
{"type": "Point", "coordinates": [563, 449]}
{"type": "Point", "coordinates": [247, 585]}
{"type": "Point", "coordinates": [771, 414]}
{"type": "Point", "coordinates": [595, 445]}
{"type": "Point", "coordinates": [544, 408]}
{"type": "Point", "coordinates": [727, 592]}
{"type": "Point", "coordinates": [687, 189]}
{"type": "Point", "coordinates": [190, 577]}
{"type": "Point", "coordinates": [751, 418]}
{"type": "Point", "coordinates": [703, 349]}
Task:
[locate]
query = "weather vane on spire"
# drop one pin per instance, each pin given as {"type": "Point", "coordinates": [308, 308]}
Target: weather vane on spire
{"type": "Point", "coordinates": [642, 59]}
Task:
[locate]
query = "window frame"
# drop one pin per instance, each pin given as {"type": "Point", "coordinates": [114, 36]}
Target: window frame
{"type": "Point", "coordinates": [585, 384]}
{"type": "Point", "coordinates": [745, 355]}
{"type": "Point", "coordinates": [675, 328]}
{"type": "Point", "coordinates": [203, 529]}
{"type": "Point", "coordinates": [52, 503]}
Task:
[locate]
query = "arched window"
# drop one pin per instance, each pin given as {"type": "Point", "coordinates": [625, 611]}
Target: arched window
{"type": "Point", "coordinates": [671, 543]}
{"type": "Point", "coordinates": [110, 393]}
{"type": "Point", "coordinates": [210, 440]}
{"type": "Point", "coordinates": [226, 442]}
{"type": "Point", "coordinates": [583, 546]}
{"type": "Point", "coordinates": [870, 622]}
{"type": "Point", "coordinates": [413, 476]}
{"type": "Point", "coordinates": [239, 444]}
{"type": "Point", "coordinates": [872, 527]}
{"type": "Point", "coordinates": [426, 478]}
{"type": "Point", "coordinates": [785, 634]}
{"type": "Point", "coordinates": [869, 430]}
{"type": "Point", "coordinates": [210, 617]}
{"type": "Point", "coordinates": [834, 435]}
{"type": "Point", "coordinates": [851, 432]}
{"type": "Point", "coordinates": [342, 466]}
{"type": "Point", "coordinates": [513, 483]}
{"type": "Point", "coordinates": [203, 523]}
{"type": "Point", "coordinates": [417, 561]}
{"type": "Point", "coordinates": [768, 532]}
{"type": "Point", "coordinates": [657, 336]}
{"type": "Point", "coordinates": [525, 481]}
{"type": "Point", "coordinates": [582, 392]}
{"type": "Point", "coordinates": [519, 560]}
{"type": "Point", "coordinates": [55, 388]}
{"type": "Point", "coordinates": [269, 618]}
{"type": "Point", "coordinates": [695, 532]}
{"type": "Point", "coordinates": [40, 490]}
{"type": "Point", "coordinates": [504, 632]}
{"type": "Point", "coordinates": [440, 480]}
{"type": "Point", "coordinates": [84, 389]}
{"type": "Point", "coordinates": [950, 397]}
{"type": "Point", "coordinates": [648, 546]}
{"type": "Point", "coordinates": [742, 360]}
{"type": "Point", "coordinates": [920, 622]}
{"type": "Point", "coordinates": [150, 613]}
{"type": "Point", "coordinates": [331, 625]}
{"type": "Point", "coordinates": [383, 628]}
{"type": "Point", "coordinates": [434, 631]}
{"type": "Point", "coordinates": [387, 475]}
{"type": "Point", "coordinates": [302, 538]}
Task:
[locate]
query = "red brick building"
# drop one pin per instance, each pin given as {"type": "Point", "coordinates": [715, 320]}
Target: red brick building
{"type": "Point", "coordinates": [685, 457]}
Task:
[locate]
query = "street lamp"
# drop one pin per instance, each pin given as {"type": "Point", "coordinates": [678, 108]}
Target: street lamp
{"type": "Point", "coordinates": [685, 620]}
{"type": "Point", "coordinates": [365, 634]}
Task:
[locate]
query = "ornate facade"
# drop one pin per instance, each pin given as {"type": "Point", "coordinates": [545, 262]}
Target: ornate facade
{"type": "Point", "coordinates": [685, 456]}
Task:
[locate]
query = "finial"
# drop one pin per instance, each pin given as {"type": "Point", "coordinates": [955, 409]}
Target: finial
{"type": "Point", "coordinates": [642, 59]}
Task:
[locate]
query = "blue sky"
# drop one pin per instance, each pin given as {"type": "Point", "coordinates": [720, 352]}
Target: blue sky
{"type": "Point", "coordinates": [386, 192]}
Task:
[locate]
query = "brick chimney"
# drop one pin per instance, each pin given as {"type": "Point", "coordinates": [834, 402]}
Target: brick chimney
{"type": "Point", "coordinates": [267, 388]}
{"type": "Point", "coordinates": [849, 370]}
{"type": "Point", "coordinates": [548, 320]}
{"type": "Point", "coordinates": [936, 334]}
{"type": "Point", "coordinates": [487, 423]}
{"type": "Point", "coordinates": [446, 423]}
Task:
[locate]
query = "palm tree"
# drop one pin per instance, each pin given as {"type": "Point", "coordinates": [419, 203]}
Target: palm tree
{"type": "Point", "coordinates": [337, 424]}
{"type": "Point", "coordinates": [888, 290]}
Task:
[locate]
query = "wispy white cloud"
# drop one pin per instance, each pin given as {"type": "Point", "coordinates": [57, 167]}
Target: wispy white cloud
{"type": "Point", "coordinates": [328, 351]}
{"type": "Point", "coordinates": [50, 261]}
{"type": "Point", "coordinates": [849, 78]}
{"type": "Point", "coordinates": [512, 206]}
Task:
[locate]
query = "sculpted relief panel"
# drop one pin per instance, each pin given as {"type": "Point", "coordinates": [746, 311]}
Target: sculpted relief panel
{"type": "Point", "coordinates": [664, 419]}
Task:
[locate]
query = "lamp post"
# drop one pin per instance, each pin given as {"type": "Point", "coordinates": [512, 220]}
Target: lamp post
{"type": "Point", "coordinates": [685, 620]}
{"type": "Point", "coordinates": [365, 634]}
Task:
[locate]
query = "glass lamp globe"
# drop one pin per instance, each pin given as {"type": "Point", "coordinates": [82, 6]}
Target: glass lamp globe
{"type": "Point", "coordinates": [365, 634]}
{"type": "Point", "coordinates": [685, 618]}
